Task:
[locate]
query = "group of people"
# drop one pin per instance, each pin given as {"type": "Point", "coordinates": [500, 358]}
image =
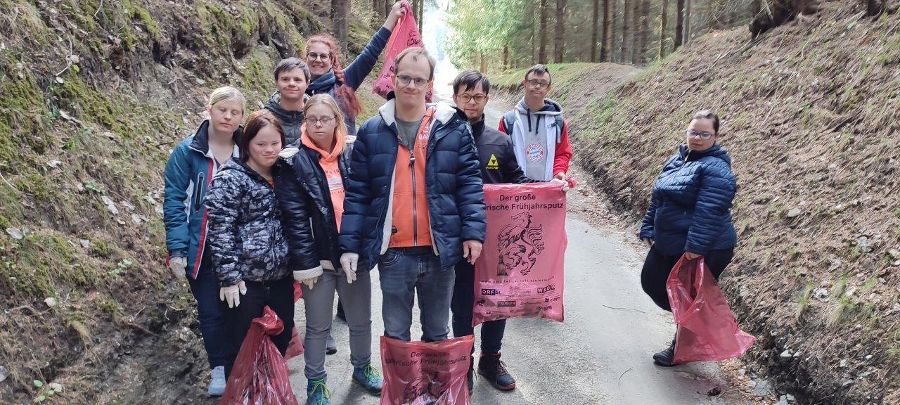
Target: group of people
{"type": "Point", "coordinates": [296, 193]}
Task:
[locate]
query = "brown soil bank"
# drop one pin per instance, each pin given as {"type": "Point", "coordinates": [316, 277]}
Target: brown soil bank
{"type": "Point", "coordinates": [811, 116]}
{"type": "Point", "coordinates": [93, 96]}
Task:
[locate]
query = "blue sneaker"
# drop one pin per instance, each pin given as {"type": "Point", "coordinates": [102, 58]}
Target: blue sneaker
{"type": "Point", "coordinates": [317, 393]}
{"type": "Point", "coordinates": [217, 382]}
{"type": "Point", "coordinates": [369, 378]}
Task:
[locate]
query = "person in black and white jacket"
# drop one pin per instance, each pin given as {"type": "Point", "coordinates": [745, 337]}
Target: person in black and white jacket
{"type": "Point", "coordinates": [248, 248]}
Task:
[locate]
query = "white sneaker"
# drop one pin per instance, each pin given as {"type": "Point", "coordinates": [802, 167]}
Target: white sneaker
{"type": "Point", "coordinates": [217, 383]}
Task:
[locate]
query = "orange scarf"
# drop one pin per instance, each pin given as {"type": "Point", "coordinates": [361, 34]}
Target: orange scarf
{"type": "Point", "coordinates": [329, 163]}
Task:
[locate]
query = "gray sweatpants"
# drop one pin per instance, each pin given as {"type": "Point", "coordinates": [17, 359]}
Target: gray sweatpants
{"type": "Point", "coordinates": [319, 307]}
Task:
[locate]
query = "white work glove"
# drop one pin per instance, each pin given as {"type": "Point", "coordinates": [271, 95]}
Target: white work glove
{"type": "Point", "coordinates": [348, 263]}
{"type": "Point", "coordinates": [563, 183]}
{"type": "Point", "coordinates": [232, 294]}
{"type": "Point", "coordinates": [177, 264]}
{"type": "Point", "coordinates": [308, 276]}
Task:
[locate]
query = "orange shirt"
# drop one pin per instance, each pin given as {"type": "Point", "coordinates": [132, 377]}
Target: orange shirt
{"type": "Point", "coordinates": [410, 219]}
{"type": "Point", "coordinates": [329, 163]}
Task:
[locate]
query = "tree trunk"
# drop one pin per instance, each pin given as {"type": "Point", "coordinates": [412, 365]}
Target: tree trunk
{"type": "Point", "coordinates": [636, 32]}
{"type": "Point", "coordinates": [627, 9]}
{"type": "Point", "coordinates": [534, 40]}
{"type": "Point", "coordinates": [542, 50]}
{"type": "Point", "coordinates": [505, 57]}
{"type": "Point", "coordinates": [641, 56]}
{"type": "Point", "coordinates": [607, 34]}
{"type": "Point", "coordinates": [559, 46]}
{"type": "Point", "coordinates": [387, 7]}
{"type": "Point", "coordinates": [339, 19]}
{"type": "Point", "coordinates": [663, 20]}
{"type": "Point", "coordinates": [483, 63]}
{"type": "Point", "coordinates": [595, 28]}
{"type": "Point", "coordinates": [687, 22]}
{"type": "Point", "coordinates": [612, 31]}
{"type": "Point", "coordinates": [679, 23]}
{"type": "Point", "coordinates": [420, 14]}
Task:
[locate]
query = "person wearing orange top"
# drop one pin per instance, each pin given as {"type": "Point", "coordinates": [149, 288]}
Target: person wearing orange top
{"type": "Point", "coordinates": [310, 191]}
{"type": "Point", "coordinates": [414, 203]}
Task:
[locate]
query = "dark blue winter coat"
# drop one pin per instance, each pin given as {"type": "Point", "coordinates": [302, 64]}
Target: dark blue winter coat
{"type": "Point", "coordinates": [690, 209]}
{"type": "Point", "coordinates": [453, 187]}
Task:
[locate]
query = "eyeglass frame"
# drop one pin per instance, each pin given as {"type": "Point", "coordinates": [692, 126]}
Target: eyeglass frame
{"type": "Point", "coordinates": [319, 120]}
{"type": "Point", "coordinates": [466, 98]}
{"type": "Point", "coordinates": [406, 80]}
{"type": "Point", "coordinates": [318, 56]}
{"type": "Point", "coordinates": [537, 83]}
{"type": "Point", "coordinates": [698, 134]}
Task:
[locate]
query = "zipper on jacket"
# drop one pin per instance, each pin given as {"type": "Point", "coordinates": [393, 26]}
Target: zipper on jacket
{"type": "Point", "coordinates": [412, 170]}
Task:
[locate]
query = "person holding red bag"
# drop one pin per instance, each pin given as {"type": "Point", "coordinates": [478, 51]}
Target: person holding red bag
{"type": "Point", "coordinates": [689, 213]}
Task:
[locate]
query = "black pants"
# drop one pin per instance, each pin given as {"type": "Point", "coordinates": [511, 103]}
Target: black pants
{"type": "Point", "coordinates": [461, 307]}
{"type": "Point", "coordinates": [278, 295]}
{"type": "Point", "coordinates": [657, 267]}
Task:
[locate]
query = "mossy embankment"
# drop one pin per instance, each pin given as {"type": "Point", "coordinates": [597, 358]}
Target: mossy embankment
{"type": "Point", "coordinates": [811, 116]}
{"type": "Point", "coordinates": [93, 96]}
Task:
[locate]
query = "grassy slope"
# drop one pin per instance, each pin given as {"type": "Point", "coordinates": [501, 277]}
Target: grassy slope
{"type": "Point", "coordinates": [810, 115]}
{"type": "Point", "coordinates": [100, 135]}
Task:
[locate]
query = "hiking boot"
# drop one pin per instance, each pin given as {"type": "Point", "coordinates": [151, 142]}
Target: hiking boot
{"type": "Point", "coordinates": [330, 345]}
{"type": "Point", "coordinates": [490, 366]}
{"type": "Point", "coordinates": [217, 382]}
{"type": "Point", "coordinates": [470, 380]}
{"type": "Point", "coordinates": [317, 392]}
{"type": "Point", "coordinates": [666, 358]}
{"type": "Point", "coordinates": [369, 378]}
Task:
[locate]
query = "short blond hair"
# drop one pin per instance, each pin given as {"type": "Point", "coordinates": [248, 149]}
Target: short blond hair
{"type": "Point", "coordinates": [415, 53]}
{"type": "Point", "coordinates": [227, 93]}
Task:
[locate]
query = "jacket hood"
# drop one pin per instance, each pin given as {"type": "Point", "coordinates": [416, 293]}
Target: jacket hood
{"type": "Point", "coordinates": [283, 115]}
{"type": "Point", "coordinates": [200, 143]}
{"type": "Point", "coordinates": [716, 151]}
{"type": "Point", "coordinates": [445, 112]}
{"type": "Point", "coordinates": [340, 142]}
{"type": "Point", "coordinates": [550, 108]}
{"type": "Point", "coordinates": [236, 165]}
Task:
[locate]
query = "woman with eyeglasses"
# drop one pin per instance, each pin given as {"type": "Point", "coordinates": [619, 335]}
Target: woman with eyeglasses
{"type": "Point", "coordinates": [689, 213]}
{"type": "Point", "coordinates": [323, 55]}
{"type": "Point", "coordinates": [310, 191]}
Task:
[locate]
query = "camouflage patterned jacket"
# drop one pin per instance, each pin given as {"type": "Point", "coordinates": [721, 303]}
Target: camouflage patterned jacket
{"type": "Point", "coordinates": [245, 234]}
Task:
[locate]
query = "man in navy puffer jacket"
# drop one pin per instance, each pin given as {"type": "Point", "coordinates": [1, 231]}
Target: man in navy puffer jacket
{"type": "Point", "coordinates": [689, 213]}
{"type": "Point", "coordinates": [414, 204]}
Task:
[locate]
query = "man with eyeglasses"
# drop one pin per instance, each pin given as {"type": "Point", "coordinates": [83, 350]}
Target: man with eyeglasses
{"type": "Point", "coordinates": [498, 165]}
{"type": "Point", "coordinates": [414, 204]}
{"type": "Point", "coordinates": [539, 133]}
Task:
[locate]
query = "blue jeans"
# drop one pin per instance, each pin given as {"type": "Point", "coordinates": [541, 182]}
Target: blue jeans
{"type": "Point", "coordinates": [404, 272]}
{"type": "Point", "coordinates": [212, 324]}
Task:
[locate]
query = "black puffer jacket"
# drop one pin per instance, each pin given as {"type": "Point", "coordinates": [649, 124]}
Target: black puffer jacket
{"type": "Point", "coordinates": [291, 121]}
{"type": "Point", "coordinates": [245, 234]}
{"type": "Point", "coordinates": [307, 211]}
{"type": "Point", "coordinates": [496, 156]}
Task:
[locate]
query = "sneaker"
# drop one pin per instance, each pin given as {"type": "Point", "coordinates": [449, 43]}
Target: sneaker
{"type": "Point", "coordinates": [330, 345]}
{"type": "Point", "coordinates": [490, 366]}
{"type": "Point", "coordinates": [217, 382]}
{"type": "Point", "coordinates": [665, 358]}
{"type": "Point", "coordinates": [317, 393]}
{"type": "Point", "coordinates": [369, 378]}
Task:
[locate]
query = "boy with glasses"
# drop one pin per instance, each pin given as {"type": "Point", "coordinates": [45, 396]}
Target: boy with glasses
{"type": "Point", "coordinates": [540, 135]}
{"type": "Point", "coordinates": [414, 204]}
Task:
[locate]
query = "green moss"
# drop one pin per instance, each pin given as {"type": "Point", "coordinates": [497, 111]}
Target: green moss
{"type": "Point", "coordinates": [143, 16]}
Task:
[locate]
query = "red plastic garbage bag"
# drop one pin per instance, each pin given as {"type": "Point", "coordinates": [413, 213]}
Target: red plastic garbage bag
{"type": "Point", "coordinates": [420, 373]}
{"type": "Point", "coordinates": [707, 329]}
{"type": "Point", "coordinates": [520, 272]}
{"type": "Point", "coordinates": [260, 374]}
{"type": "Point", "coordinates": [405, 35]}
{"type": "Point", "coordinates": [295, 348]}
